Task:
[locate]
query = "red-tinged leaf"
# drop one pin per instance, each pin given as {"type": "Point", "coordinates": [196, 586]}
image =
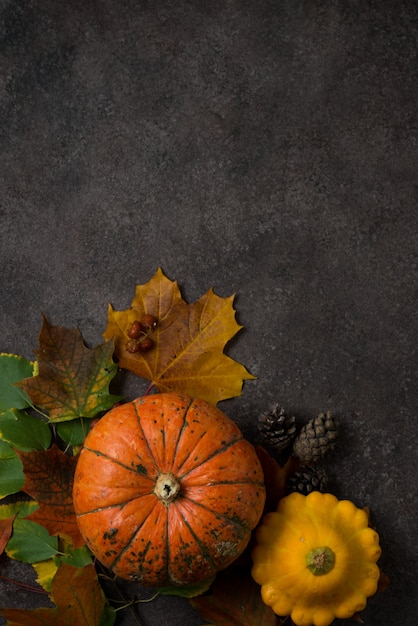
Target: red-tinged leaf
{"type": "Point", "coordinates": [234, 600]}
{"type": "Point", "coordinates": [49, 480]}
{"type": "Point", "coordinates": [6, 527]}
{"type": "Point", "coordinates": [73, 381]}
{"type": "Point", "coordinates": [384, 582]}
{"type": "Point", "coordinates": [78, 598]}
{"type": "Point", "coordinates": [275, 477]}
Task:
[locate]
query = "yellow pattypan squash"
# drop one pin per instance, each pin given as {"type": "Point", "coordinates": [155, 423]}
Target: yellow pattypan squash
{"type": "Point", "coordinates": [315, 559]}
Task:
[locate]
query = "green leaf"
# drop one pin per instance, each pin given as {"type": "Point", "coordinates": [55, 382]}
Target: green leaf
{"type": "Point", "coordinates": [46, 570]}
{"type": "Point", "coordinates": [13, 368]}
{"type": "Point", "coordinates": [23, 431]}
{"type": "Point", "coordinates": [108, 617]}
{"type": "Point", "coordinates": [73, 381]}
{"type": "Point", "coordinates": [74, 432]}
{"type": "Point", "coordinates": [189, 591]}
{"type": "Point", "coordinates": [77, 558]}
{"type": "Point", "coordinates": [31, 542]}
{"type": "Point", "coordinates": [12, 477]}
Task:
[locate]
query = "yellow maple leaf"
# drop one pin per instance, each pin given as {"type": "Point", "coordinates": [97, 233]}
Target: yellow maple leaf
{"type": "Point", "coordinates": [189, 340]}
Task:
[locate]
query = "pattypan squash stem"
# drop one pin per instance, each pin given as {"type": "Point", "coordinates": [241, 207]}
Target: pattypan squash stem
{"type": "Point", "coordinates": [320, 560]}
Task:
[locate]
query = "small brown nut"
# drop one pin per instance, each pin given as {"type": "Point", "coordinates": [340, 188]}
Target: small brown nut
{"type": "Point", "coordinates": [145, 344]}
{"type": "Point", "coordinates": [132, 345]}
{"type": "Point", "coordinates": [135, 330]}
{"type": "Point", "coordinates": [148, 322]}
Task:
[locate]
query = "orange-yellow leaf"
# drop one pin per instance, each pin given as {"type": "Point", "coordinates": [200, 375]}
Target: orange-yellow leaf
{"type": "Point", "coordinates": [78, 598]}
{"type": "Point", "coordinates": [45, 573]}
{"type": "Point", "coordinates": [189, 341]}
{"type": "Point", "coordinates": [49, 480]}
{"type": "Point", "coordinates": [73, 381]}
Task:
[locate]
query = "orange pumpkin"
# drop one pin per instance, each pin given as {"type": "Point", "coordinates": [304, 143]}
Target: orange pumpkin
{"type": "Point", "coordinates": [167, 490]}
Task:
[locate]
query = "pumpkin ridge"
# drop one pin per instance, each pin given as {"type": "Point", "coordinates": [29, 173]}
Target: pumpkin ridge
{"type": "Point", "coordinates": [228, 482]}
{"type": "Point", "coordinates": [209, 458]}
{"type": "Point", "coordinates": [205, 553]}
{"type": "Point", "coordinates": [112, 506]}
{"type": "Point", "coordinates": [145, 437]}
{"type": "Point", "coordinates": [232, 520]}
{"type": "Point", "coordinates": [126, 547]}
{"type": "Point", "coordinates": [182, 429]}
{"type": "Point", "coordinates": [167, 544]}
{"type": "Point", "coordinates": [113, 460]}
{"type": "Point", "coordinates": [165, 460]}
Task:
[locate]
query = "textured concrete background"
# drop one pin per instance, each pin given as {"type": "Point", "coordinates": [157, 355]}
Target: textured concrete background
{"type": "Point", "coordinates": [263, 148]}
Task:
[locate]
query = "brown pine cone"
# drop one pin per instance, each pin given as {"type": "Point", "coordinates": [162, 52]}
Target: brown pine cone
{"type": "Point", "coordinates": [316, 438]}
{"type": "Point", "coordinates": [277, 428]}
{"type": "Point", "coordinates": [307, 479]}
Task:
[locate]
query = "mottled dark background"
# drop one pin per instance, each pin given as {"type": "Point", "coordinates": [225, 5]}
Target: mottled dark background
{"type": "Point", "coordinates": [263, 148]}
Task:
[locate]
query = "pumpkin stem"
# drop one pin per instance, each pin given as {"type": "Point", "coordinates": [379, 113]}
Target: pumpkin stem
{"type": "Point", "coordinates": [320, 560]}
{"type": "Point", "coordinates": [167, 488]}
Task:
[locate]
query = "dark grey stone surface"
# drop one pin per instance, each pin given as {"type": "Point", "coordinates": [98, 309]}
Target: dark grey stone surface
{"type": "Point", "coordinates": [267, 149]}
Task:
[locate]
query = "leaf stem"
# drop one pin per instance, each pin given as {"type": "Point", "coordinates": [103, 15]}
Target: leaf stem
{"type": "Point", "coordinates": [149, 388]}
{"type": "Point", "coordinates": [132, 603]}
{"type": "Point", "coordinates": [24, 585]}
{"type": "Point", "coordinates": [126, 603]}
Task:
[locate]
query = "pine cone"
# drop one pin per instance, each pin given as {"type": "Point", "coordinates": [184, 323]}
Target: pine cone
{"type": "Point", "coordinates": [277, 428]}
{"type": "Point", "coordinates": [316, 438]}
{"type": "Point", "coordinates": [306, 480]}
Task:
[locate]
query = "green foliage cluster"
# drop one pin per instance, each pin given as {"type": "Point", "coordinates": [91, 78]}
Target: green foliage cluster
{"type": "Point", "coordinates": [37, 444]}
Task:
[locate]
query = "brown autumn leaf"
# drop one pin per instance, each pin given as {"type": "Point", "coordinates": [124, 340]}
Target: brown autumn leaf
{"type": "Point", "coordinates": [189, 341]}
{"type": "Point", "coordinates": [49, 480]}
{"type": "Point", "coordinates": [275, 477]}
{"type": "Point", "coordinates": [6, 527]}
{"type": "Point", "coordinates": [384, 582]}
{"type": "Point", "coordinates": [78, 597]}
{"type": "Point", "coordinates": [73, 381]}
{"type": "Point", "coordinates": [234, 600]}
